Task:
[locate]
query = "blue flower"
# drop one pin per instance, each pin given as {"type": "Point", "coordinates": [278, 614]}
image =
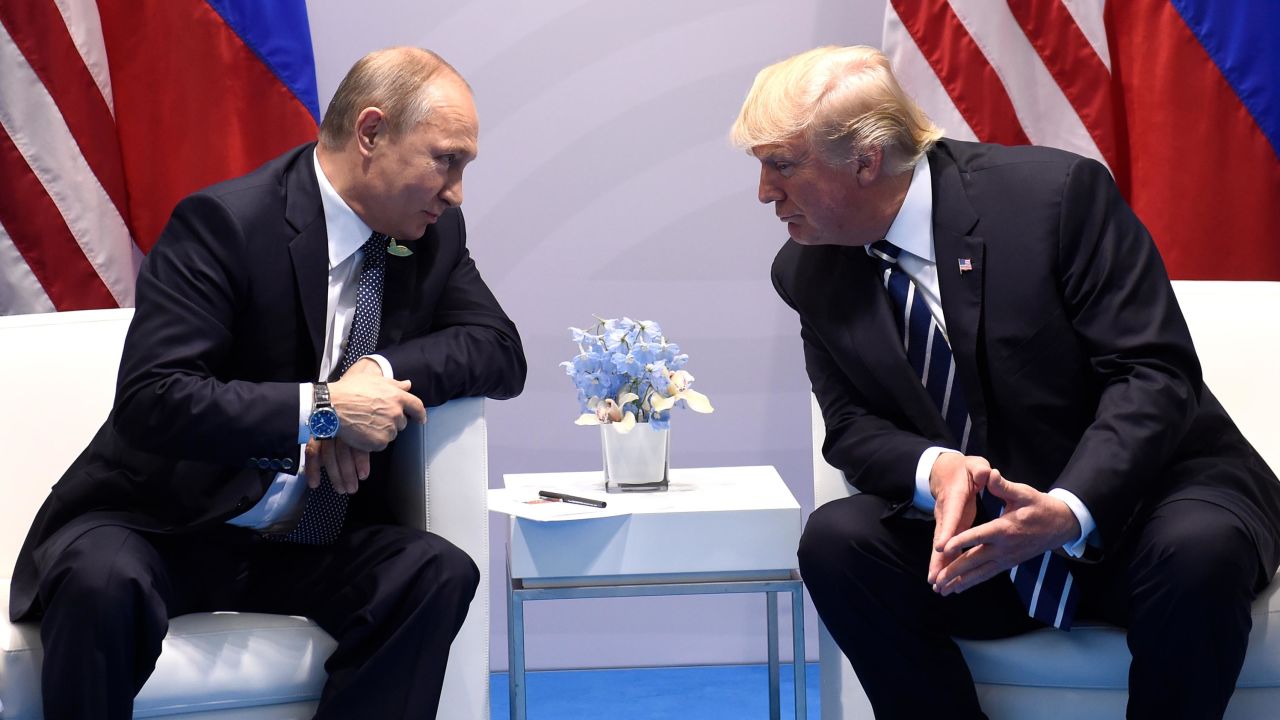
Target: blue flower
{"type": "Point", "coordinates": [627, 372]}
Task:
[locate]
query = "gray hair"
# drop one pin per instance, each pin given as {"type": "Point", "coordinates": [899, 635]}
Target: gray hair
{"type": "Point", "coordinates": [846, 99]}
{"type": "Point", "coordinates": [398, 81]}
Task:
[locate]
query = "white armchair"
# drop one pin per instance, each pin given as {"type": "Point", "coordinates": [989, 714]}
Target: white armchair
{"type": "Point", "coordinates": [1048, 674]}
{"type": "Point", "coordinates": [57, 381]}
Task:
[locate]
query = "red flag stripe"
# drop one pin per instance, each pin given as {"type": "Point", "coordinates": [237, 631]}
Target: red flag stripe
{"type": "Point", "coordinates": [963, 69]}
{"type": "Point", "coordinates": [1205, 180]}
{"type": "Point", "coordinates": [208, 77]}
{"type": "Point", "coordinates": [20, 291]}
{"type": "Point", "coordinates": [1077, 69]}
{"type": "Point", "coordinates": [40, 33]}
{"type": "Point", "coordinates": [42, 237]}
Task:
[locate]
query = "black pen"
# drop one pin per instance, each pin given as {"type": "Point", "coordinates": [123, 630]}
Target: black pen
{"type": "Point", "coordinates": [573, 499]}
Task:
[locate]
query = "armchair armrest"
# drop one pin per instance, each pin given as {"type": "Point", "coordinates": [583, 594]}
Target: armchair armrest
{"type": "Point", "coordinates": [440, 480]}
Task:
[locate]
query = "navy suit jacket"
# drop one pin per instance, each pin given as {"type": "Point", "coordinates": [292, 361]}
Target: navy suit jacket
{"type": "Point", "coordinates": [230, 318]}
{"type": "Point", "coordinates": [1069, 344]}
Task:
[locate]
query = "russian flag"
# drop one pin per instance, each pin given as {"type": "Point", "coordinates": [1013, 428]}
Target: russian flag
{"type": "Point", "coordinates": [1179, 98]}
{"type": "Point", "coordinates": [115, 110]}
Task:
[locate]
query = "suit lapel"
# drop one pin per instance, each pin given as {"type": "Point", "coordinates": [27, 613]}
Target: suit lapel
{"type": "Point", "coordinates": [309, 249]}
{"type": "Point", "coordinates": [961, 256]}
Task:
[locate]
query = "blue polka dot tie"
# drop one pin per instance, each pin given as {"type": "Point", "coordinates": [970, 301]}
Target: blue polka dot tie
{"type": "Point", "coordinates": [1043, 583]}
{"type": "Point", "coordinates": [326, 509]}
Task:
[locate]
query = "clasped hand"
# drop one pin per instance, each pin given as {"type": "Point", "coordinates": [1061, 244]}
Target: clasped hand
{"type": "Point", "coordinates": [963, 555]}
{"type": "Point", "coordinates": [372, 410]}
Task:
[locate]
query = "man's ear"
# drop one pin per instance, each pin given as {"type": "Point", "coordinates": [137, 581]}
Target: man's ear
{"type": "Point", "coordinates": [867, 166]}
{"type": "Point", "coordinates": [371, 129]}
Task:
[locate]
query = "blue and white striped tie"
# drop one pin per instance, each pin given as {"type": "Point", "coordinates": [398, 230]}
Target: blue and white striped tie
{"type": "Point", "coordinates": [1043, 583]}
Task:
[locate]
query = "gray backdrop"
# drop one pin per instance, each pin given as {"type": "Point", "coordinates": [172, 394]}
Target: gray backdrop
{"type": "Point", "coordinates": [606, 185]}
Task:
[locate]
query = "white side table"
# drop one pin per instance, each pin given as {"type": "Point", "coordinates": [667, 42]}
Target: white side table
{"type": "Point", "coordinates": [744, 521]}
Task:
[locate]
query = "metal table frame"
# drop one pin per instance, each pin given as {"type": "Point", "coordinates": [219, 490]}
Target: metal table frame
{"type": "Point", "coordinates": [518, 594]}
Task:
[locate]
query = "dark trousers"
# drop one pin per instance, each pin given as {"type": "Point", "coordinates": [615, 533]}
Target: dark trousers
{"type": "Point", "coordinates": [1181, 585]}
{"type": "Point", "coordinates": [393, 598]}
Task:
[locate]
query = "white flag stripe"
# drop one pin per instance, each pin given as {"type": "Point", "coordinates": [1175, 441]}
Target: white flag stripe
{"type": "Point", "coordinates": [40, 133]}
{"type": "Point", "coordinates": [84, 24]}
{"type": "Point", "coordinates": [918, 79]}
{"type": "Point", "coordinates": [1088, 16]}
{"type": "Point", "coordinates": [1044, 112]}
{"type": "Point", "coordinates": [20, 291]}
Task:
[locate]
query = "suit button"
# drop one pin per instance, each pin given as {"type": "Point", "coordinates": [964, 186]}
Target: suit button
{"type": "Point", "coordinates": [264, 463]}
{"type": "Point", "coordinates": [253, 462]}
{"type": "Point", "coordinates": [276, 464]}
{"type": "Point", "coordinates": [287, 463]}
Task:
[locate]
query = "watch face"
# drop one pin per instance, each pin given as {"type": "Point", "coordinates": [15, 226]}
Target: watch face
{"type": "Point", "coordinates": [323, 423]}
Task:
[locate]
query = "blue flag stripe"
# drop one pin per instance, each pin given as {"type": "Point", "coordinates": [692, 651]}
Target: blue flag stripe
{"type": "Point", "coordinates": [1243, 39]}
{"type": "Point", "coordinates": [279, 34]}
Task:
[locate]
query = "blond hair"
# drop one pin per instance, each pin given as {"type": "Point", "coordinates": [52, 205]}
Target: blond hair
{"type": "Point", "coordinates": [396, 80]}
{"type": "Point", "coordinates": [845, 99]}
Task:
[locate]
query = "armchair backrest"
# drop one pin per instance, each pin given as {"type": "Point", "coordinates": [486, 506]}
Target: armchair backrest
{"type": "Point", "coordinates": [57, 383]}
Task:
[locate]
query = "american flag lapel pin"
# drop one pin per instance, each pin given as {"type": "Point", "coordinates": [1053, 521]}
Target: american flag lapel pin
{"type": "Point", "coordinates": [966, 264]}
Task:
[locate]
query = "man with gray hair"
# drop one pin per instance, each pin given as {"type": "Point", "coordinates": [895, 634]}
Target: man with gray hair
{"type": "Point", "coordinates": [1005, 375]}
{"type": "Point", "coordinates": [289, 324]}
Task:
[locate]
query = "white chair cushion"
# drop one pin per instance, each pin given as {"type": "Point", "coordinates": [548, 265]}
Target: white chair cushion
{"type": "Point", "coordinates": [1095, 656]}
{"type": "Point", "coordinates": [210, 661]}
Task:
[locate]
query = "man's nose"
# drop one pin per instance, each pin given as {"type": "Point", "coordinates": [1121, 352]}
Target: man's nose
{"type": "Point", "coordinates": [768, 191]}
{"type": "Point", "coordinates": [451, 193]}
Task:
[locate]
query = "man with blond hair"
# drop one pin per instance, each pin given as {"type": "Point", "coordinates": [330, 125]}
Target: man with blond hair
{"type": "Point", "coordinates": [289, 324]}
{"type": "Point", "coordinates": [1005, 376]}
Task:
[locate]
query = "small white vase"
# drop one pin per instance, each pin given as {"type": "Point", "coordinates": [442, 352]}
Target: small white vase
{"type": "Point", "coordinates": [638, 460]}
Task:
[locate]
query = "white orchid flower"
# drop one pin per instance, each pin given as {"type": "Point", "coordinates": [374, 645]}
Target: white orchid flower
{"type": "Point", "coordinates": [679, 387]}
{"type": "Point", "coordinates": [609, 411]}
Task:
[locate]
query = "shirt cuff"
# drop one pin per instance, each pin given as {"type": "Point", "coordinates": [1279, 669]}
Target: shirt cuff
{"type": "Point", "coordinates": [383, 363]}
{"type": "Point", "coordinates": [306, 394]}
{"type": "Point", "coordinates": [923, 499]}
{"type": "Point", "coordinates": [1087, 525]}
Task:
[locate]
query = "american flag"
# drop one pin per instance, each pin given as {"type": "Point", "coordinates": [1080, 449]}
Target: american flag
{"type": "Point", "coordinates": [112, 111]}
{"type": "Point", "coordinates": [1179, 98]}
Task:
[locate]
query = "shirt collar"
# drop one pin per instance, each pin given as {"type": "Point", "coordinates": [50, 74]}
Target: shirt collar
{"type": "Point", "coordinates": [347, 232]}
{"type": "Point", "coordinates": [912, 229]}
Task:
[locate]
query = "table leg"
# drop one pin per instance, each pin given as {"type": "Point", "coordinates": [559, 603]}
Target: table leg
{"type": "Point", "coordinates": [775, 680]}
{"type": "Point", "coordinates": [797, 641]}
{"type": "Point", "coordinates": [515, 652]}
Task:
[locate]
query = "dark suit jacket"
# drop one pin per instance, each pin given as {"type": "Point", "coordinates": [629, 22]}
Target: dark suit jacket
{"type": "Point", "coordinates": [1068, 341]}
{"type": "Point", "coordinates": [230, 318]}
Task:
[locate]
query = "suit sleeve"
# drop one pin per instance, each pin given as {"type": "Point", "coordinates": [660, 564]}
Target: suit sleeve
{"type": "Point", "coordinates": [469, 347]}
{"type": "Point", "coordinates": [875, 455]}
{"type": "Point", "coordinates": [1124, 311]}
{"type": "Point", "coordinates": [175, 395]}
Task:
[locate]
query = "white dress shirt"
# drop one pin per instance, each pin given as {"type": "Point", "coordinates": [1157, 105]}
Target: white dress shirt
{"type": "Point", "coordinates": [912, 232]}
{"type": "Point", "coordinates": [281, 506]}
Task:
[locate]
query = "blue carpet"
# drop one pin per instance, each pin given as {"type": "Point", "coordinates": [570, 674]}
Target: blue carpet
{"type": "Point", "coordinates": [682, 693]}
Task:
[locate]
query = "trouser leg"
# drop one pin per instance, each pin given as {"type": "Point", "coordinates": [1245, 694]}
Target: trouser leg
{"type": "Point", "coordinates": [867, 575]}
{"type": "Point", "coordinates": [105, 616]}
{"type": "Point", "coordinates": [394, 598]}
{"type": "Point", "coordinates": [1182, 585]}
